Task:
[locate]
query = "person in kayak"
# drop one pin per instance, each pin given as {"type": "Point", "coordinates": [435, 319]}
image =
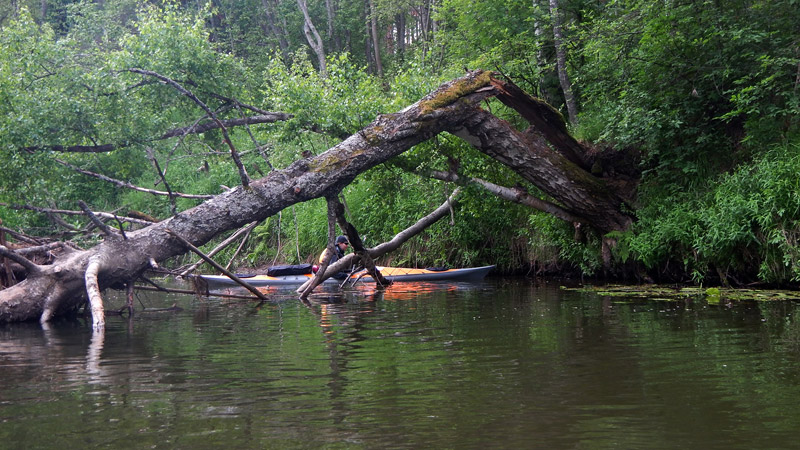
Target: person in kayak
{"type": "Point", "coordinates": [339, 250]}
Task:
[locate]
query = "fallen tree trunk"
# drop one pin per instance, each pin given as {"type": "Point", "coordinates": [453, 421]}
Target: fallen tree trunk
{"type": "Point", "coordinates": [61, 288]}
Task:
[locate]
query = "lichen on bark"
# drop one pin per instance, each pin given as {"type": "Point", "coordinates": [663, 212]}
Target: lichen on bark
{"type": "Point", "coordinates": [455, 91]}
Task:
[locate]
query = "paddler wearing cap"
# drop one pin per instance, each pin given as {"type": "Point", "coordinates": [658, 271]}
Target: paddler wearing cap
{"type": "Point", "coordinates": [339, 249]}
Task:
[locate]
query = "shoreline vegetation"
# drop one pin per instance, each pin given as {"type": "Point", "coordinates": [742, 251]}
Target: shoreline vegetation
{"type": "Point", "coordinates": [655, 143]}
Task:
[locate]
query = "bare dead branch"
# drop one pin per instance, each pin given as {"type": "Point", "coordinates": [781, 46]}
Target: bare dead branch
{"type": "Point", "coordinates": [30, 266]}
{"type": "Point", "coordinates": [173, 206]}
{"type": "Point", "coordinates": [20, 236]}
{"type": "Point", "coordinates": [415, 229]}
{"type": "Point", "coordinates": [42, 248]}
{"type": "Point", "coordinates": [56, 219]}
{"type": "Point", "coordinates": [255, 142]}
{"type": "Point", "coordinates": [234, 154]}
{"type": "Point", "coordinates": [105, 148]}
{"type": "Point", "coordinates": [247, 232]}
{"type": "Point", "coordinates": [358, 245]}
{"type": "Point", "coordinates": [230, 275]}
{"type": "Point", "coordinates": [108, 231]}
{"type": "Point", "coordinates": [268, 117]}
{"type": "Point", "coordinates": [67, 212]}
{"type": "Point", "coordinates": [239, 104]}
{"type": "Point", "coordinates": [222, 245]}
{"type": "Point", "coordinates": [93, 291]}
{"type": "Point", "coordinates": [517, 194]}
{"type": "Point", "coordinates": [10, 279]}
{"type": "Point", "coordinates": [129, 185]}
{"type": "Point", "coordinates": [264, 117]}
{"type": "Point", "coordinates": [385, 247]}
{"type": "Point", "coordinates": [322, 271]}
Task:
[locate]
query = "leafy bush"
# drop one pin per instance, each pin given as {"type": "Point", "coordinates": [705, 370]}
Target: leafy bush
{"type": "Point", "coordinates": [745, 227]}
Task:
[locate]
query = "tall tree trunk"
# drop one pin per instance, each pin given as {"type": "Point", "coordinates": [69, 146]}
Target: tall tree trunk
{"type": "Point", "coordinates": [400, 20]}
{"type": "Point", "coordinates": [275, 29]}
{"type": "Point", "coordinates": [373, 20]}
{"type": "Point", "coordinates": [333, 38]}
{"type": "Point", "coordinates": [538, 33]}
{"type": "Point", "coordinates": [425, 19]}
{"type": "Point", "coordinates": [313, 38]}
{"type": "Point", "coordinates": [561, 62]}
{"type": "Point", "coordinates": [368, 38]}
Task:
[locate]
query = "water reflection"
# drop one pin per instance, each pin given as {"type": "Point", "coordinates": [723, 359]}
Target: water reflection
{"type": "Point", "coordinates": [499, 364]}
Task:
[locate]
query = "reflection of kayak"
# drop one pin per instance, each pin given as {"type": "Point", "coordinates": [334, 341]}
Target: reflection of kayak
{"type": "Point", "coordinates": [391, 273]}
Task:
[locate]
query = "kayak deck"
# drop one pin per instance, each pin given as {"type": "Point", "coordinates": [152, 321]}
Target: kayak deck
{"type": "Point", "coordinates": [396, 274]}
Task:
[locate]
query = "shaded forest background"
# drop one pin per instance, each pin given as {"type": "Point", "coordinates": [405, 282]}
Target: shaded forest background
{"type": "Point", "coordinates": [703, 97]}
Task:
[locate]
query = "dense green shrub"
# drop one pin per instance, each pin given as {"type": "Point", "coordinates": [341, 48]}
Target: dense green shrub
{"type": "Point", "coordinates": [745, 227]}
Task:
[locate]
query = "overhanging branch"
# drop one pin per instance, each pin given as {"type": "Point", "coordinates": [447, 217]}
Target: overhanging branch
{"type": "Point", "coordinates": [129, 185]}
{"type": "Point", "coordinates": [234, 154]}
{"type": "Point", "coordinates": [202, 128]}
{"type": "Point", "coordinates": [515, 195]}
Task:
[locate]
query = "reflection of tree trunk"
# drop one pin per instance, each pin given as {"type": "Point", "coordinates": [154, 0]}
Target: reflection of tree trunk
{"type": "Point", "coordinates": [561, 61]}
{"type": "Point", "coordinates": [60, 288]}
{"type": "Point", "coordinates": [313, 38]}
{"type": "Point", "coordinates": [373, 20]}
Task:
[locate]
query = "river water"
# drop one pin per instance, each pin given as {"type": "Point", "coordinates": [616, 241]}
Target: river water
{"type": "Point", "coordinates": [505, 363]}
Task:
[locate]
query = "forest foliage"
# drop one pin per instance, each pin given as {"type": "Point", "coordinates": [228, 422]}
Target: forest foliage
{"type": "Point", "coordinates": [704, 94]}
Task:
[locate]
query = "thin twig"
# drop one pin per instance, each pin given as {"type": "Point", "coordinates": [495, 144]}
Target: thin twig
{"type": "Point", "coordinates": [108, 231]}
{"type": "Point", "coordinates": [222, 245]}
{"type": "Point", "coordinates": [172, 204]}
{"type": "Point", "coordinates": [68, 212]}
{"type": "Point", "coordinates": [241, 245]}
{"type": "Point", "coordinates": [230, 275]}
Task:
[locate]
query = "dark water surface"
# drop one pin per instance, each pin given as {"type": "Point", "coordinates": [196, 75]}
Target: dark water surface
{"type": "Point", "coordinates": [499, 364]}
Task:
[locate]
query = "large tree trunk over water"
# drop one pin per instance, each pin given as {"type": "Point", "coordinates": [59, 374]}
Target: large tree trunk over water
{"type": "Point", "coordinates": [60, 288]}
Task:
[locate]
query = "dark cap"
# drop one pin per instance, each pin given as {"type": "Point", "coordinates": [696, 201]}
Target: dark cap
{"type": "Point", "coordinates": [342, 240]}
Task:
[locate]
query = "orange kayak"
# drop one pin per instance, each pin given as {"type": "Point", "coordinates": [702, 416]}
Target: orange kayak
{"type": "Point", "coordinates": [396, 274]}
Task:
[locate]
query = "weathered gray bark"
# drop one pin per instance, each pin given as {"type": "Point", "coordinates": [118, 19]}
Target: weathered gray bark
{"type": "Point", "coordinates": [61, 287]}
{"type": "Point", "coordinates": [376, 48]}
{"type": "Point", "coordinates": [584, 196]}
{"type": "Point", "coordinates": [313, 38]}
